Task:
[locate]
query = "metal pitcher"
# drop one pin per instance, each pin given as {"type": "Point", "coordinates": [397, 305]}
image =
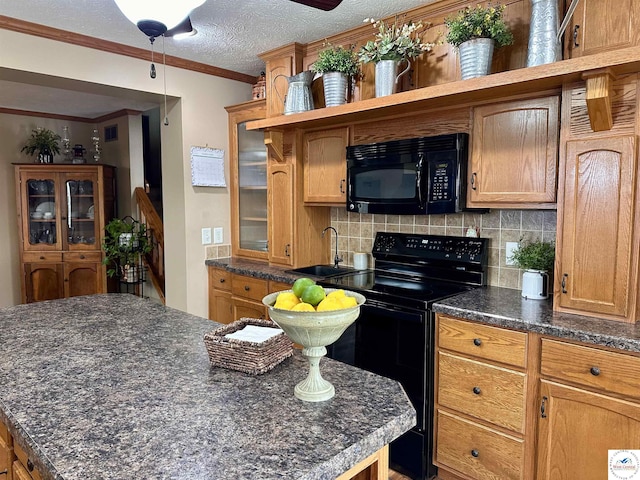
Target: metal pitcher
{"type": "Point", "coordinates": [545, 31]}
{"type": "Point", "coordinates": [298, 98]}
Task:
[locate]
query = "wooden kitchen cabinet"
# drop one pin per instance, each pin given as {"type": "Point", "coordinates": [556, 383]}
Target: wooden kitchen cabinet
{"type": "Point", "coordinates": [220, 303]}
{"type": "Point", "coordinates": [280, 63]}
{"type": "Point", "coordinates": [481, 401]}
{"type": "Point", "coordinates": [602, 25]}
{"type": "Point", "coordinates": [280, 212]}
{"type": "Point", "coordinates": [247, 294]}
{"type": "Point", "coordinates": [62, 211]}
{"type": "Point", "coordinates": [23, 468]}
{"type": "Point", "coordinates": [6, 452]}
{"type": "Point", "coordinates": [589, 403]}
{"type": "Point", "coordinates": [325, 166]}
{"type": "Point", "coordinates": [248, 186]}
{"type": "Point", "coordinates": [514, 154]}
{"type": "Point", "coordinates": [598, 202]}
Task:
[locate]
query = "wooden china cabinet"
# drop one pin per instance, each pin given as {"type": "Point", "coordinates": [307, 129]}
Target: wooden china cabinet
{"type": "Point", "coordinates": [62, 211]}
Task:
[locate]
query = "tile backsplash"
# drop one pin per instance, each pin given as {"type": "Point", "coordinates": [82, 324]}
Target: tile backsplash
{"type": "Point", "coordinates": [356, 233]}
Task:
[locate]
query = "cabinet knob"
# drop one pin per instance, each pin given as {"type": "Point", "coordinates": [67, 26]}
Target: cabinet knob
{"type": "Point", "coordinates": [247, 288]}
{"type": "Point", "coordinates": [82, 257]}
{"type": "Point", "coordinates": [222, 280]}
{"type": "Point", "coordinates": [475, 453]}
{"type": "Point", "coordinates": [477, 342]}
{"type": "Point", "coordinates": [477, 390]}
{"type": "Point", "coordinates": [595, 371]}
{"type": "Point", "coordinates": [29, 465]}
{"type": "Point", "coordinates": [41, 257]}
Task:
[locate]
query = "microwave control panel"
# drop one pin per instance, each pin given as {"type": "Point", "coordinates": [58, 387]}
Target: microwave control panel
{"type": "Point", "coordinates": [440, 181]}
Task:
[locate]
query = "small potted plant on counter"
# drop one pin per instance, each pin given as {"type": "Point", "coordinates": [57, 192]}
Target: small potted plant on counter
{"type": "Point", "coordinates": [536, 259]}
{"type": "Point", "coordinates": [44, 142]}
{"type": "Point", "coordinates": [337, 65]}
{"type": "Point", "coordinates": [476, 31]}
{"type": "Point", "coordinates": [125, 241]}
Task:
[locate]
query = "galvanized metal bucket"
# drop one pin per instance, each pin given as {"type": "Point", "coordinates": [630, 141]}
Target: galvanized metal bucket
{"type": "Point", "coordinates": [335, 88]}
{"type": "Point", "coordinates": [475, 57]}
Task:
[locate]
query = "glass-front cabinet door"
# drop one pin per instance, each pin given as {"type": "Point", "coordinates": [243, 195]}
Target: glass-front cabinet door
{"type": "Point", "coordinates": [80, 225]}
{"type": "Point", "coordinates": [41, 203]}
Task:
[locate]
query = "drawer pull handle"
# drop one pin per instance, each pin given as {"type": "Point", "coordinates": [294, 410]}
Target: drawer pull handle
{"type": "Point", "coordinates": [247, 288]}
{"type": "Point", "coordinates": [222, 280]}
{"type": "Point", "coordinates": [477, 390]}
{"type": "Point", "coordinates": [41, 257]}
{"type": "Point", "coordinates": [477, 342]}
{"type": "Point", "coordinates": [543, 408]}
{"type": "Point", "coordinates": [342, 192]}
{"type": "Point", "coordinates": [82, 257]}
{"type": "Point", "coordinates": [475, 453]}
{"type": "Point", "coordinates": [29, 465]}
{"type": "Point", "coordinates": [575, 36]}
{"type": "Point", "coordinates": [4, 472]}
{"type": "Point", "coordinates": [564, 283]}
{"type": "Point", "coordinates": [473, 181]}
{"type": "Point", "coordinates": [595, 371]}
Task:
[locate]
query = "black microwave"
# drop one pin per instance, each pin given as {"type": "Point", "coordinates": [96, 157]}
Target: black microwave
{"type": "Point", "coordinates": [425, 175]}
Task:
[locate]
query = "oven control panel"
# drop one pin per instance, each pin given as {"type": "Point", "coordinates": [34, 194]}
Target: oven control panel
{"type": "Point", "coordinates": [431, 247]}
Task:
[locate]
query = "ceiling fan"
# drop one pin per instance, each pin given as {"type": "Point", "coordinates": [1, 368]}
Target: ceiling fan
{"type": "Point", "coordinates": [171, 18]}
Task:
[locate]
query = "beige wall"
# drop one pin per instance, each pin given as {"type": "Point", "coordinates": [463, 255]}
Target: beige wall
{"type": "Point", "coordinates": [197, 117]}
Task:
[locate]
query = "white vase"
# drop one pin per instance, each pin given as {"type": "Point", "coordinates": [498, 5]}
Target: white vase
{"type": "Point", "coordinates": [535, 284]}
{"type": "Point", "coordinates": [387, 77]}
{"type": "Point", "coordinates": [335, 88]}
{"type": "Point", "coordinates": [475, 57]}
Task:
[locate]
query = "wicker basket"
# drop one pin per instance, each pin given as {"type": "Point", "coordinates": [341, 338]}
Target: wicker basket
{"type": "Point", "coordinates": [249, 357]}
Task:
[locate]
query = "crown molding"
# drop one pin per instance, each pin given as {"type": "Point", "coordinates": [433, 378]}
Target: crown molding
{"type": "Point", "coordinates": [69, 118]}
{"type": "Point", "coordinates": [50, 33]}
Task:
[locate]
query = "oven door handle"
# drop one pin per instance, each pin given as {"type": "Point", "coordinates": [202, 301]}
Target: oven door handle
{"type": "Point", "coordinates": [388, 307]}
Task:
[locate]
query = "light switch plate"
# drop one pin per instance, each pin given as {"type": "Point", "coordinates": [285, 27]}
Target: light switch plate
{"type": "Point", "coordinates": [217, 235]}
{"type": "Point", "coordinates": [206, 236]}
{"type": "Point", "coordinates": [508, 252]}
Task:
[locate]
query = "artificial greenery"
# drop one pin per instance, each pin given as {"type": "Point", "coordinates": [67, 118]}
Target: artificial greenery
{"type": "Point", "coordinates": [536, 255]}
{"type": "Point", "coordinates": [125, 240]}
{"type": "Point", "coordinates": [337, 59]}
{"type": "Point", "coordinates": [393, 42]}
{"type": "Point", "coordinates": [42, 141]}
{"type": "Point", "coordinates": [478, 22]}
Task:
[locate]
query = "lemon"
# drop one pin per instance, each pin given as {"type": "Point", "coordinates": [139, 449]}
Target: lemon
{"type": "Point", "coordinates": [286, 304]}
{"type": "Point", "coordinates": [303, 307]}
{"type": "Point", "coordinates": [287, 296]}
{"type": "Point", "coordinates": [313, 294]}
{"type": "Point", "coordinates": [329, 304]}
{"type": "Point", "coordinates": [336, 294]}
{"type": "Point", "coordinates": [348, 302]}
{"type": "Point", "coordinates": [301, 284]}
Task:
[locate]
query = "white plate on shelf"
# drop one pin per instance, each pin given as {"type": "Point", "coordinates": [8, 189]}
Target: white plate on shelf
{"type": "Point", "coordinates": [46, 207]}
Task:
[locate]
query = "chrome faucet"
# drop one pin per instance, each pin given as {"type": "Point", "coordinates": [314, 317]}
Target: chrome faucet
{"type": "Point", "coordinates": [337, 259]}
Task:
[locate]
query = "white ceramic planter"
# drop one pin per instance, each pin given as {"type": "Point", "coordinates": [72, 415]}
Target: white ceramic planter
{"type": "Point", "coordinates": [535, 284]}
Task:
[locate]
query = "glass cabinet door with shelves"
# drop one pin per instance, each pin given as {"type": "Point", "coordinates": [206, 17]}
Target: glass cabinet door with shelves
{"type": "Point", "coordinates": [41, 230]}
{"type": "Point", "coordinates": [249, 182]}
{"type": "Point", "coordinates": [80, 205]}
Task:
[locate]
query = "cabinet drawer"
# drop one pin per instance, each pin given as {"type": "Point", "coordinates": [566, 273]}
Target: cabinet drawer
{"type": "Point", "coordinates": [484, 341]}
{"type": "Point", "coordinates": [278, 286]}
{"type": "Point", "coordinates": [247, 308]}
{"type": "Point", "coordinates": [476, 451]}
{"type": "Point", "coordinates": [591, 367]}
{"type": "Point", "coordinates": [249, 287]}
{"type": "Point", "coordinates": [4, 433]}
{"type": "Point", "coordinates": [220, 279]}
{"type": "Point", "coordinates": [493, 394]}
{"type": "Point", "coordinates": [24, 462]}
{"type": "Point", "coordinates": [32, 257]}
{"type": "Point", "coordinates": [82, 257]}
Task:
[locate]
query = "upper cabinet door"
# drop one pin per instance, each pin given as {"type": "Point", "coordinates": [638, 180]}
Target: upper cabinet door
{"type": "Point", "coordinates": [325, 166]}
{"type": "Point", "coordinates": [280, 211]}
{"type": "Point", "coordinates": [80, 209]}
{"type": "Point", "coordinates": [41, 208]}
{"type": "Point", "coordinates": [514, 154]}
{"type": "Point", "coordinates": [602, 25]}
{"type": "Point", "coordinates": [596, 239]}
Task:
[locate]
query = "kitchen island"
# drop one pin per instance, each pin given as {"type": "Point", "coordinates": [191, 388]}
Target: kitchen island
{"type": "Point", "coordinates": [114, 386]}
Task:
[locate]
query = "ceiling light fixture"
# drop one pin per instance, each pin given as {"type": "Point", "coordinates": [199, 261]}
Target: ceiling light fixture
{"type": "Point", "coordinates": [154, 17]}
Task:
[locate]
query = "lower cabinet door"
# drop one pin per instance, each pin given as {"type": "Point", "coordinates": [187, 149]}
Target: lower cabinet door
{"type": "Point", "coordinates": [577, 428]}
{"type": "Point", "coordinates": [477, 452]}
{"type": "Point", "coordinates": [221, 306]}
{"type": "Point", "coordinates": [43, 281]}
{"type": "Point", "coordinates": [82, 278]}
{"type": "Point", "coordinates": [245, 308]}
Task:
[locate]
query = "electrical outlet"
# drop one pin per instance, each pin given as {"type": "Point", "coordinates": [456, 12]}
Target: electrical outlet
{"type": "Point", "coordinates": [508, 252]}
{"type": "Point", "coordinates": [217, 235]}
{"type": "Point", "coordinates": [206, 236]}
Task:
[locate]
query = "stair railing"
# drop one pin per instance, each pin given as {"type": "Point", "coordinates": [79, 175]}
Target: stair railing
{"type": "Point", "coordinates": [155, 259]}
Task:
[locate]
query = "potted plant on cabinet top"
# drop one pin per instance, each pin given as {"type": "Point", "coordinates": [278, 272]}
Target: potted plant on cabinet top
{"type": "Point", "coordinates": [125, 241]}
{"type": "Point", "coordinates": [337, 65]}
{"type": "Point", "coordinates": [475, 32]}
{"type": "Point", "coordinates": [392, 45]}
{"type": "Point", "coordinates": [536, 259]}
{"type": "Point", "coordinates": [44, 142]}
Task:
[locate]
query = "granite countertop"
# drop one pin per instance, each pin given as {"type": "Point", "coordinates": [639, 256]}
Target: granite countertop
{"type": "Point", "coordinates": [114, 386]}
{"type": "Point", "coordinates": [254, 268]}
{"type": "Point", "coordinates": [505, 307]}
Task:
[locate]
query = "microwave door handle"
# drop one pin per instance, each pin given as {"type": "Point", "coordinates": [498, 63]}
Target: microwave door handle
{"type": "Point", "coordinates": [419, 178]}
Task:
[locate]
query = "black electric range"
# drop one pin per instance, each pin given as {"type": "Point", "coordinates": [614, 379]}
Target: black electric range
{"type": "Point", "coordinates": [394, 335]}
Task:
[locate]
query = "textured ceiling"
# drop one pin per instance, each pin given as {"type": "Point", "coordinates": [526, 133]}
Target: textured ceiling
{"type": "Point", "coordinates": [231, 33]}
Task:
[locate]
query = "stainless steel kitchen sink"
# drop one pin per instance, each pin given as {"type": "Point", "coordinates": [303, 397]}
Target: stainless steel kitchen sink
{"type": "Point", "coordinates": [322, 270]}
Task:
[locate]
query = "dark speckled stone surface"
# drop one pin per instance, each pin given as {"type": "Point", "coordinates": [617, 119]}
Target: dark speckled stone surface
{"type": "Point", "coordinates": [116, 387]}
{"type": "Point", "coordinates": [254, 268]}
{"type": "Point", "coordinates": [505, 307]}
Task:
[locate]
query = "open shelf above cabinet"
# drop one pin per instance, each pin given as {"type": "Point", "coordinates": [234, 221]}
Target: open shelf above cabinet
{"type": "Point", "coordinates": [597, 70]}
